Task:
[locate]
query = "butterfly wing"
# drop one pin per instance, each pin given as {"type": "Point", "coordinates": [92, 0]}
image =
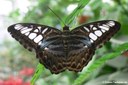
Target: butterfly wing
{"type": "Point", "coordinates": [30, 35]}
{"type": "Point", "coordinates": [98, 32]}
{"type": "Point", "coordinates": [89, 37]}
{"type": "Point", "coordinates": [43, 40]}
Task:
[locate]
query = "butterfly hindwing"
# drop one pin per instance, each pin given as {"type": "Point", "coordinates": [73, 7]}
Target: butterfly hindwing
{"type": "Point", "coordinates": [31, 35]}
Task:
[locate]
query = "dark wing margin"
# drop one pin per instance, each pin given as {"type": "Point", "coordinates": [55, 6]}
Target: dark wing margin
{"type": "Point", "coordinates": [30, 35]}
{"type": "Point", "coordinates": [98, 32]}
{"type": "Point", "coordinates": [55, 63]}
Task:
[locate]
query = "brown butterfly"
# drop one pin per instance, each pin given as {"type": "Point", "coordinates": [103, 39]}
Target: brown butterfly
{"type": "Point", "coordinates": [60, 50]}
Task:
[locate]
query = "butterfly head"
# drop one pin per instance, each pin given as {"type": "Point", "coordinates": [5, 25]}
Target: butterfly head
{"type": "Point", "coordinates": [66, 28]}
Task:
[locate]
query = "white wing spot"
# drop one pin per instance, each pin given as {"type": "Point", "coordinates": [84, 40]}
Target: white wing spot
{"type": "Point", "coordinates": [111, 23]}
{"type": "Point", "coordinates": [98, 33]}
{"type": "Point", "coordinates": [39, 27]}
{"type": "Point", "coordinates": [32, 35]}
{"type": "Point", "coordinates": [38, 38]}
{"type": "Point", "coordinates": [92, 36]}
{"type": "Point", "coordinates": [91, 41]}
{"type": "Point", "coordinates": [27, 33]}
{"type": "Point", "coordinates": [24, 30]}
{"type": "Point", "coordinates": [86, 29]}
{"type": "Point", "coordinates": [103, 30]}
{"type": "Point", "coordinates": [94, 28]}
{"type": "Point", "coordinates": [85, 46]}
{"type": "Point", "coordinates": [40, 43]}
{"type": "Point", "coordinates": [46, 48]}
{"type": "Point", "coordinates": [44, 30]}
{"type": "Point", "coordinates": [105, 27]}
{"type": "Point", "coordinates": [91, 26]}
{"type": "Point", "coordinates": [18, 27]}
{"type": "Point", "coordinates": [36, 30]}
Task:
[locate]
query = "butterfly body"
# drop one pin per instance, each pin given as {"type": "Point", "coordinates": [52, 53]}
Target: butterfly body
{"type": "Point", "coordinates": [61, 50]}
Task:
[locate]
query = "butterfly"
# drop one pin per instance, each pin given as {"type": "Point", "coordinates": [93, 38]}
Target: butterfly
{"type": "Point", "coordinates": [61, 50]}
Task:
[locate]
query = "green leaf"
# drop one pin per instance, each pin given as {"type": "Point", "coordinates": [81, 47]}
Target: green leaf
{"type": "Point", "coordinates": [122, 48]}
{"type": "Point", "coordinates": [39, 70]}
{"type": "Point", "coordinates": [15, 14]}
{"type": "Point", "coordinates": [99, 62]}
{"type": "Point", "coordinates": [76, 11]}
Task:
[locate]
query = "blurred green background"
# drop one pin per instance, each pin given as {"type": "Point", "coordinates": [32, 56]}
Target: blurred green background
{"type": "Point", "coordinates": [17, 64]}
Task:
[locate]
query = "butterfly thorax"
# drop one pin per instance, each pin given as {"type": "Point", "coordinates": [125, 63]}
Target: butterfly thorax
{"type": "Point", "coordinates": [66, 29]}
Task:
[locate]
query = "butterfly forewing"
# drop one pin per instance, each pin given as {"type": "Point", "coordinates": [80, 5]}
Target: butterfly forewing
{"type": "Point", "coordinates": [97, 33]}
{"type": "Point", "coordinates": [31, 35]}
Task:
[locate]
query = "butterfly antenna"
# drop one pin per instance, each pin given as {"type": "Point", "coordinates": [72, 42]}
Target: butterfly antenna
{"type": "Point", "coordinates": [57, 16]}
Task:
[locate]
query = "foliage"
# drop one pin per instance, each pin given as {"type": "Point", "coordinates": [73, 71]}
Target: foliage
{"type": "Point", "coordinates": [77, 11]}
{"type": "Point", "coordinates": [38, 72]}
{"type": "Point", "coordinates": [118, 51]}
